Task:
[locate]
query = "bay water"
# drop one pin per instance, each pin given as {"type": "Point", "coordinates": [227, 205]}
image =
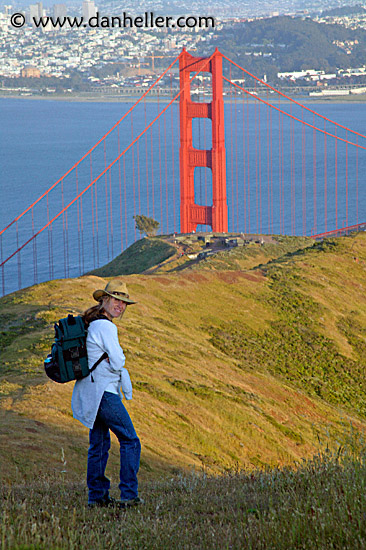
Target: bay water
{"type": "Point", "coordinates": [272, 185]}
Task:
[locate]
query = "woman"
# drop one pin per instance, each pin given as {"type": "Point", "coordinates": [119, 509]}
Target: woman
{"type": "Point", "coordinates": [96, 400]}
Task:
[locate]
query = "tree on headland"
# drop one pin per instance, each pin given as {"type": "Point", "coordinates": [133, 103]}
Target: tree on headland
{"type": "Point", "coordinates": [146, 225]}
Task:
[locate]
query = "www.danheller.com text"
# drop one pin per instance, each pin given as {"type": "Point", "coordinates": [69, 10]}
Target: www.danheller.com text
{"type": "Point", "coordinates": [146, 21]}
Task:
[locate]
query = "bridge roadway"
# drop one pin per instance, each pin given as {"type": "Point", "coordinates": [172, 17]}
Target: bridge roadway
{"type": "Point", "coordinates": [135, 91]}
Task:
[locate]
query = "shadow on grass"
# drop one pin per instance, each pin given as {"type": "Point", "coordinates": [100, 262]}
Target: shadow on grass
{"type": "Point", "coordinates": [319, 505]}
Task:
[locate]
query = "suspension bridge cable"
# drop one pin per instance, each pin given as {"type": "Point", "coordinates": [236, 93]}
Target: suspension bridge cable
{"type": "Point", "coordinates": [92, 148]}
{"type": "Point", "coordinates": [91, 184]}
{"type": "Point", "coordinates": [290, 99]}
{"type": "Point", "coordinates": [326, 180]}
{"type": "Point", "coordinates": [298, 119]}
{"type": "Point", "coordinates": [120, 190]}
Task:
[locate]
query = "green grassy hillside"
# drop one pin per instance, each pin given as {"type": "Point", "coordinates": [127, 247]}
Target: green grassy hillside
{"type": "Point", "coordinates": [166, 254]}
{"type": "Point", "coordinates": [141, 255]}
{"type": "Point", "coordinates": [232, 368]}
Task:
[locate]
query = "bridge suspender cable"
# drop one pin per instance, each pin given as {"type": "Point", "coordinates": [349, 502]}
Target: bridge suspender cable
{"type": "Point", "coordinates": [289, 171]}
{"type": "Point", "coordinates": [289, 98]}
{"type": "Point", "coordinates": [92, 148]}
{"type": "Point", "coordinates": [298, 119]}
{"type": "Point", "coordinates": [65, 208]}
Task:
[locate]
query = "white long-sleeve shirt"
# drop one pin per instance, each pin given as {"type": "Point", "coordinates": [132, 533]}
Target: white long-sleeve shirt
{"type": "Point", "coordinates": [102, 336]}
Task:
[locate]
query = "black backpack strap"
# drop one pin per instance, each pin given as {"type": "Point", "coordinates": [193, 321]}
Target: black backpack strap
{"type": "Point", "coordinates": [104, 356]}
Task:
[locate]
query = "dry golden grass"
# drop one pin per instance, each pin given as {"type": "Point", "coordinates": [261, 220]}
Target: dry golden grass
{"type": "Point", "coordinates": [196, 404]}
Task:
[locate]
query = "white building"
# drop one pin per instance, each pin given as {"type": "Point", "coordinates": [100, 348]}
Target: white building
{"type": "Point", "coordinates": [36, 11]}
{"type": "Point", "coordinates": [59, 10]}
{"type": "Point", "coordinates": [89, 9]}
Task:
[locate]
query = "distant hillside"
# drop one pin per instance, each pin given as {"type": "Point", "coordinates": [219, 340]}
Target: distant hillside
{"type": "Point", "coordinates": [232, 368]}
{"type": "Point", "coordinates": [279, 44]}
{"type": "Point", "coordinates": [344, 10]}
{"type": "Point", "coordinates": [165, 253]}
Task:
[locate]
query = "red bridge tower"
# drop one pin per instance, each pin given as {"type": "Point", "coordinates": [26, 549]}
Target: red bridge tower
{"type": "Point", "coordinates": [192, 214]}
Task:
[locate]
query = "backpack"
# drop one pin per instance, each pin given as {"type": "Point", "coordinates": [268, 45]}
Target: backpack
{"type": "Point", "coordinates": [68, 359]}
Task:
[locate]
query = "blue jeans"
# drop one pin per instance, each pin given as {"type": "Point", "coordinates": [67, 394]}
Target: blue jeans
{"type": "Point", "coordinates": [113, 416]}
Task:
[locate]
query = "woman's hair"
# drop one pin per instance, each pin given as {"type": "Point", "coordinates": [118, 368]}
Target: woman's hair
{"type": "Point", "coordinates": [95, 312]}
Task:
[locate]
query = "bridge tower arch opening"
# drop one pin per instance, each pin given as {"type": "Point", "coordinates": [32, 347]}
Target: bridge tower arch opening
{"type": "Point", "coordinates": [192, 214]}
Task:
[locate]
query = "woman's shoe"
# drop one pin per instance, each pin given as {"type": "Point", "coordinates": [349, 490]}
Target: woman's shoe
{"type": "Point", "coordinates": [129, 503]}
{"type": "Point", "coordinates": [108, 502]}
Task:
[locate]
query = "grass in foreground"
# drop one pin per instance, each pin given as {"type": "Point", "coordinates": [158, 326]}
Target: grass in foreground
{"type": "Point", "coordinates": [320, 505]}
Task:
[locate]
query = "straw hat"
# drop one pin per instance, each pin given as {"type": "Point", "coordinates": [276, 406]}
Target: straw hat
{"type": "Point", "coordinates": [115, 288]}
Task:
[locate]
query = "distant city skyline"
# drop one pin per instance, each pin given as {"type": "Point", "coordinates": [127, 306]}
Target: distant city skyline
{"type": "Point", "coordinates": [251, 6]}
{"type": "Point", "coordinates": [81, 58]}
